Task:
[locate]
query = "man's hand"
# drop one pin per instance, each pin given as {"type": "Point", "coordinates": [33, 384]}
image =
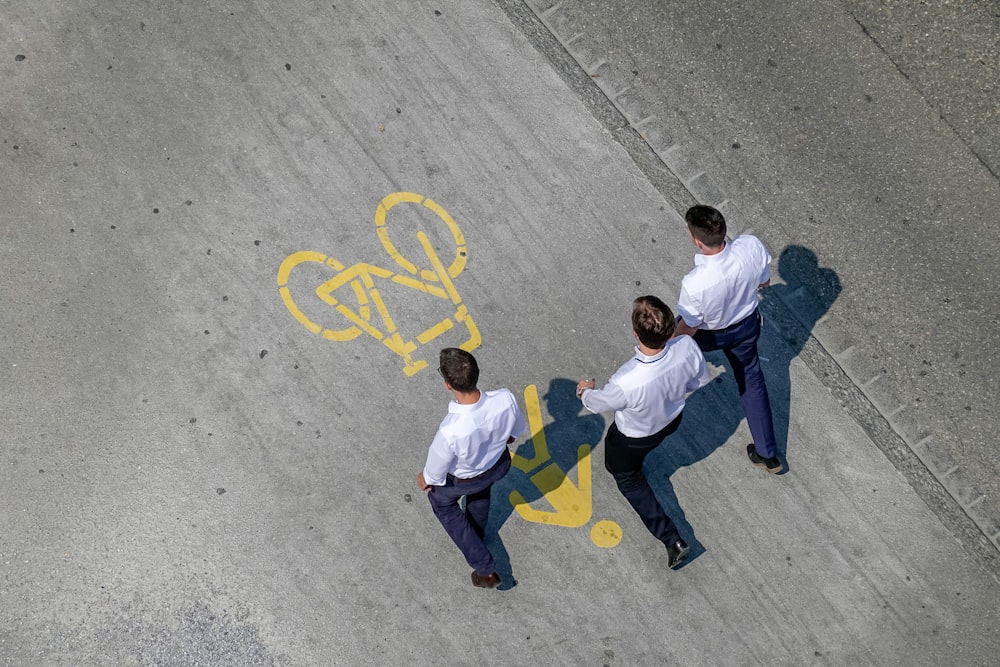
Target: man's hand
{"type": "Point", "coordinates": [584, 384]}
{"type": "Point", "coordinates": [424, 486]}
{"type": "Point", "coordinates": [683, 329]}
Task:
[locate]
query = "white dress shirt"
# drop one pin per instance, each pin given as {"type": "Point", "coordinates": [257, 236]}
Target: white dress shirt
{"type": "Point", "coordinates": [721, 289]}
{"type": "Point", "coordinates": [648, 392]}
{"type": "Point", "coordinates": [472, 438]}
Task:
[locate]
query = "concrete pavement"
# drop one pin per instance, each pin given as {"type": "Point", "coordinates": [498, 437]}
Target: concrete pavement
{"type": "Point", "coordinates": [863, 132]}
{"type": "Point", "coordinates": [221, 319]}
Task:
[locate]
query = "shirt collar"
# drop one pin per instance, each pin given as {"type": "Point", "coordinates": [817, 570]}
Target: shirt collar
{"type": "Point", "coordinates": [700, 259]}
{"type": "Point", "coordinates": [645, 359]}
{"type": "Point", "coordinates": [454, 407]}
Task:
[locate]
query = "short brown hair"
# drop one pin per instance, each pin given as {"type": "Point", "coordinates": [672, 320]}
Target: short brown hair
{"type": "Point", "coordinates": [652, 321]}
{"type": "Point", "coordinates": [707, 225]}
{"type": "Point", "coordinates": [459, 369]}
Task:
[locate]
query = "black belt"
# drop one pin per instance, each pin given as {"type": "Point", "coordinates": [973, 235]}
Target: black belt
{"type": "Point", "coordinates": [505, 455]}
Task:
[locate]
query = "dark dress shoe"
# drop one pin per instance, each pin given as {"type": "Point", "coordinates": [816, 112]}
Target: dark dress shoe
{"type": "Point", "coordinates": [676, 553]}
{"type": "Point", "coordinates": [772, 464]}
{"type": "Point", "coordinates": [485, 581]}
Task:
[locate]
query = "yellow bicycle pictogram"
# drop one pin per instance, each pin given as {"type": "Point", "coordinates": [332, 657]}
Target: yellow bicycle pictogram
{"type": "Point", "coordinates": [364, 307]}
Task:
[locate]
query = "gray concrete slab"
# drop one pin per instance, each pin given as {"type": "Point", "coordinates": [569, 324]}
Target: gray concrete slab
{"type": "Point", "coordinates": [195, 473]}
{"type": "Point", "coordinates": [949, 51]}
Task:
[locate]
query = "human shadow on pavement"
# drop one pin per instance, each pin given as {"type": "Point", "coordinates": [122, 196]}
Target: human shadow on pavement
{"type": "Point", "coordinates": [713, 414]}
{"type": "Point", "coordinates": [806, 295]}
{"type": "Point", "coordinates": [571, 427]}
{"type": "Point", "coordinates": [710, 418]}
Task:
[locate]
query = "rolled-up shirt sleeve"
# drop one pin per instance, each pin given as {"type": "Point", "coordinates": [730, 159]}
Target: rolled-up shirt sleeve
{"type": "Point", "coordinates": [702, 377]}
{"type": "Point", "coordinates": [690, 311]}
{"type": "Point", "coordinates": [520, 424]}
{"type": "Point", "coordinates": [765, 259]}
{"type": "Point", "coordinates": [606, 399]}
{"type": "Point", "coordinates": [439, 461]}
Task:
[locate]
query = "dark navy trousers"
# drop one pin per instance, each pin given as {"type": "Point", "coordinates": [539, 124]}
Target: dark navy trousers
{"type": "Point", "coordinates": [623, 458]}
{"type": "Point", "coordinates": [468, 528]}
{"type": "Point", "coordinates": [739, 343]}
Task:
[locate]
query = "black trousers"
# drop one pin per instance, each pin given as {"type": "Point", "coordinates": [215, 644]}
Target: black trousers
{"type": "Point", "coordinates": [623, 458]}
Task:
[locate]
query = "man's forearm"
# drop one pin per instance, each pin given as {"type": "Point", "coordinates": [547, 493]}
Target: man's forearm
{"type": "Point", "coordinates": [683, 329]}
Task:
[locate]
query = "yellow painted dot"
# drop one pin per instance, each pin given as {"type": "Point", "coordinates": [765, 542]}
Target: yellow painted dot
{"type": "Point", "coordinates": [606, 534]}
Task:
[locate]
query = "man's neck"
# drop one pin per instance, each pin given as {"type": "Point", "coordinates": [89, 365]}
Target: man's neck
{"type": "Point", "coordinates": [708, 252]}
{"type": "Point", "coordinates": [649, 351]}
{"type": "Point", "coordinates": [467, 397]}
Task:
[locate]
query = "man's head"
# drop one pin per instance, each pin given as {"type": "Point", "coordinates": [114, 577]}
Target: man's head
{"type": "Point", "coordinates": [706, 225]}
{"type": "Point", "coordinates": [459, 369]}
{"type": "Point", "coordinates": [652, 321]}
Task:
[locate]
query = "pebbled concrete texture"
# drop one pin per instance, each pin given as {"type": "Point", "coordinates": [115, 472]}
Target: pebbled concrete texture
{"type": "Point", "coordinates": [191, 476]}
{"type": "Point", "coordinates": [949, 52]}
{"type": "Point", "coordinates": [837, 138]}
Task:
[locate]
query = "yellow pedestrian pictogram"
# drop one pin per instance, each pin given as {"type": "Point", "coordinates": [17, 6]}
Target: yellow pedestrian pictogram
{"type": "Point", "coordinates": [366, 310]}
{"type": "Point", "coordinates": [572, 505]}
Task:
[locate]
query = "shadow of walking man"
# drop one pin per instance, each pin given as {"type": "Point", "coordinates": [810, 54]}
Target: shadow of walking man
{"type": "Point", "coordinates": [542, 466]}
{"type": "Point", "coordinates": [711, 416]}
{"type": "Point", "coordinates": [791, 310]}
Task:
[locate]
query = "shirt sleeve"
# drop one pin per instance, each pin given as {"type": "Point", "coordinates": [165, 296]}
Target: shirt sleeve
{"type": "Point", "coordinates": [520, 424]}
{"type": "Point", "coordinates": [607, 398]}
{"type": "Point", "coordinates": [765, 260]}
{"type": "Point", "coordinates": [702, 375]}
{"type": "Point", "coordinates": [689, 311]}
{"type": "Point", "coordinates": [440, 458]}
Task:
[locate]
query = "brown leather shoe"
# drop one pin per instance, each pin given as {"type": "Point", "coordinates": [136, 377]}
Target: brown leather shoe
{"type": "Point", "coordinates": [487, 581]}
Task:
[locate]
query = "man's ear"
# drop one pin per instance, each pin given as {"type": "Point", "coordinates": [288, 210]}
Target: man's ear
{"type": "Point", "coordinates": [697, 244]}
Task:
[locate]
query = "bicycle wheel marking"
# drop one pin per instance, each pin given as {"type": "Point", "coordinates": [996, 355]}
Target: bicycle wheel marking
{"type": "Point", "coordinates": [367, 311]}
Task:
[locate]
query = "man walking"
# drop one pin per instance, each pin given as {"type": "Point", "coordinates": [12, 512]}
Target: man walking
{"type": "Point", "coordinates": [718, 308]}
{"type": "Point", "coordinates": [647, 395]}
{"type": "Point", "coordinates": [467, 456]}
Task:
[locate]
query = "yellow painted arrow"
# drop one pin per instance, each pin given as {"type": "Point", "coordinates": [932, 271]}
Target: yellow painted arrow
{"type": "Point", "coordinates": [572, 504]}
{"type": "Point", "coordinates": [534, 411]}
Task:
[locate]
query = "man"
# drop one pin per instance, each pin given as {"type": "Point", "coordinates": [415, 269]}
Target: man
{"type": "Point", "coordinates": [647, 395]}
{"type": "Point", "coordinates": [468, 454]}
{"type": "Point", "coordinates": [718, 308]}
